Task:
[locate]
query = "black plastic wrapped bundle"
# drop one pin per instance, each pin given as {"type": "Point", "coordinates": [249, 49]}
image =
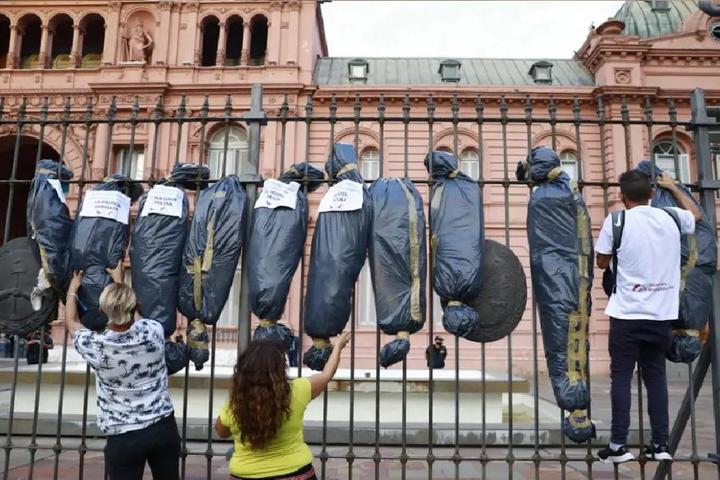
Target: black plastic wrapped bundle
{"type": "Point", "coordinates": [561, 256]}
{"type": "Point", "coordinates": [277, 243]}
{"type": "Point", "coordinates": [49, 223]}
{"type": "Point", "coordinates": [339, 249]}
{"type": "Point", "coordinates": [458, 237]}
{"type": "Point", "coordinates": [699, 253]}
{"type": "Point", "coordinates": [99, 242]}
{"type": "Point", "coordinates": [397, 253]}
{"type": "Point", "coordinates": [210, 258]}
{"type": "Point", "coordinates": [177, 354]}
{"type": "Point", "coordinates": [157, 244]}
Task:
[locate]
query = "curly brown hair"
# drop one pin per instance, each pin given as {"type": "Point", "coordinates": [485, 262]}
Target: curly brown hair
{"type": "Point", "coordinates": [260, 396]}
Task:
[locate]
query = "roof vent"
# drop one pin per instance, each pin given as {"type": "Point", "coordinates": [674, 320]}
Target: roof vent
{"type": "Point", "coordinates": [541, 72]}
{"type": "Point", "coordinates": [358, 70]}
{"type": "Point", "coordinates": [660, 5]}
{"type": "Point", "coordinates": [450, 70]}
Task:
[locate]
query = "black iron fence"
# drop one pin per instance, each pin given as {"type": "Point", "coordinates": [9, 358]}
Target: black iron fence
{"type": "Point", "coordinates": [600, 128]}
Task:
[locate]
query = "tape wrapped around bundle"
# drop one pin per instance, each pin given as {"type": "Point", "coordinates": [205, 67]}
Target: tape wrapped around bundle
{"type": "Point", "coordinates": [210, 259]}
{"type": "Point", "coordinates": [277, 243]}
{"type": "Point", "coordinates": [339, 249]}
{"type": "Point", "coordinates": [156, 249]}
{"type": "Point", "coordinates": [397, 253]}
{"type": "Point", "coordinates": [158, 240]}
{"type": "Point", "coordinates": [49, 224]}
{"type": "Point", "coordinates": [99, 239]}
{"type": "Point", "coordinates": [699, 254]}
{"type": "Point", "coordinates": [458, 237]}
{"type": "Point", "coordinates": [561, 255]}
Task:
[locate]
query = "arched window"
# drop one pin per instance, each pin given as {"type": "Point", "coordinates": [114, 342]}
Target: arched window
{"type": "Point", "coordinates": [470, 163]}
{"type": "Point", "coordinates": [370, 170]}
{"type": "Point", "coordinates": [233, 45]}
{"type": "Point", "coordinates": [569, 164]}
{"type": "Point", "coordinates": [665, 152]}
{"type": "Point", "coordinates": [258, 40]}
{"type": "Point", "coordinates": [4, 40]}
{"type": "Point", "coordinates": [93, 41]}
{"type": "Point", "coordinates": [236, 161]}
{"type": "Point", "coordinates": [210, 30]}
{"type": "Point", "coordinates": [30, 30]}
{"type": "Point", "coordinates": [61, 29]}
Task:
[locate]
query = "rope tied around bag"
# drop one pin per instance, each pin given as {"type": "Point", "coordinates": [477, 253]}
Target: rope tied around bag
{"type": "Point", "coordinates": [403, 335]}
{"type": "Point", "coordinates": [347, 168]}
{"type": "Point", "coordinates": [554, 173]}
{"type": "Point", "coordinates": [454, 173]}
{"type": "Point", "coordinates": [321, 343]}
{"type": "Point", "coordinates": [455, 303]}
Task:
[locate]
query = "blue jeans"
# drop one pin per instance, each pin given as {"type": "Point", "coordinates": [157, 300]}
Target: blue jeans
{"type": "Point", "coordinates": [641, 342]}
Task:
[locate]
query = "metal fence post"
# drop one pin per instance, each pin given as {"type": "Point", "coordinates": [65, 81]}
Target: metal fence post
{"type": "Point", "coordinates": [708, 186]}
{"type": "Point", "coordinates": [255, 118]}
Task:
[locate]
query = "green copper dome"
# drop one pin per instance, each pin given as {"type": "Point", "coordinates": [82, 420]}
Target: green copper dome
{"type": "Point", "coordinates": [654, 18]}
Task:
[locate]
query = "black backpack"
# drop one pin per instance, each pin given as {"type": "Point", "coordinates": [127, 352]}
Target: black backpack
{"type": "Point", "coordinates": [609, 280]}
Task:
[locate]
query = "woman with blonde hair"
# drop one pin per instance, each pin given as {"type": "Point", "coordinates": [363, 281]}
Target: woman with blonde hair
{"type": "Point", "coordinates": [265, 413]}
{"type": "Point", "coordinates": [133, 404]}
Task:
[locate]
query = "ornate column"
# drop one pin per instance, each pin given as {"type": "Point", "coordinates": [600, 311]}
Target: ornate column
{"type": "Point", "coordinates": [162, 34]}
{"type": "Point", "coordinates": [12, 48]}
{"type": "Point", "coordinates": [197, 59]}
{"type": "Point", "coordinates": [222, 39]}
{"type": "Point", "coordinates": [194, 31]}
{"type": "Point", "coordinates": [293, 32]}
{"type": "Point", "coordinates": [112, 34]}
{"type": "Point", "coordinates": [273, 45]}
{"type": "Point", "coordinates": [43, 54]}
{"type": "Point", "coordinates": [245, 51]}
{"type": "Point", "coordinates": [75, 50]}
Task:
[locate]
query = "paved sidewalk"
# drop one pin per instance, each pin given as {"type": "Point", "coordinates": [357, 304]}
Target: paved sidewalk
{"type": "Point", "coordinates": [416, 468]}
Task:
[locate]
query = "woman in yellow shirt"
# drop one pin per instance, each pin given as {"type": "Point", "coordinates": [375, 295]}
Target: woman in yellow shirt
{"type": "Point", "coordinates": [265, 414]}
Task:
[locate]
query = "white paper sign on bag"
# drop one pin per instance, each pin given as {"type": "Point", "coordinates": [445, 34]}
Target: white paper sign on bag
{"type": "Point", "coordinates": [58, 188]}
{"type": "Point", "coordinates": [110, 205]}
{"type": "Point", "coordinates": [163, 200]}
{"type": "Point", "coordinates": [278, 194]}
{"type": "Point", "coordinates": [345, 196]}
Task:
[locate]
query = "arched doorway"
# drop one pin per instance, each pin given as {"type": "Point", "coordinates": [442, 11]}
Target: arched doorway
{"type": "Point", "coordinates": [30, 29]}
{"type": "Point", "coordinates": [4, 39]}
{"type": "Point", "coordinates": [61, 28]}
{"type": "Point", "coordinates": [27, 154]}
{"type": "Point", "coordinates": [92, 28]}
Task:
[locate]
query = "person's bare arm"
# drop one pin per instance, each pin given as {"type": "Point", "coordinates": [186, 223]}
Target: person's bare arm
{"type": "Point", "coordinates": [668, 183]}
{"type": "Point", "coordinates": [603, 261]}
{"type": "Point", "coordinates": [221, 429]}
{"type": "Point", "coordinates": [72, 319]}
{"type": "Point", "coordinates": [319, 382]}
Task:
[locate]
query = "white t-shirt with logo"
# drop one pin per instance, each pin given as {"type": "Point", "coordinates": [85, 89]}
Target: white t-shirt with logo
{"type": "Point", "coordinates": [648, 277]}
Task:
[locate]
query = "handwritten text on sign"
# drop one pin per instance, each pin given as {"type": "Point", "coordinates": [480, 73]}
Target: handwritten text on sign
{"type": "Point", "coordinates": [345, 196]}
{"type": "Point", "coordinates": [164, 200]}
{"type": "Point", "coordinates": [110, 205]}
{"type": "Point", "coordinates": [278, 194]}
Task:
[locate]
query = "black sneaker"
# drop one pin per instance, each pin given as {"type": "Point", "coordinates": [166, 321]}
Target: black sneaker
{"type": "Point", "coordinates": [659, 452]}
{"type": "Point", "coordinates": [621, 455]}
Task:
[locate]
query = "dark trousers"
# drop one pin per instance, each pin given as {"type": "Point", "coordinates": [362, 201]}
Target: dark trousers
{"type": "Point", "coordinates": [158, 444]}
{"type": "Point", "coordinates": [641, 342]}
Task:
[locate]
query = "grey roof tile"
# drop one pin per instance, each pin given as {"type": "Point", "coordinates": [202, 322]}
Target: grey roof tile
{"type": "Point", "coordinates": [474, 71]}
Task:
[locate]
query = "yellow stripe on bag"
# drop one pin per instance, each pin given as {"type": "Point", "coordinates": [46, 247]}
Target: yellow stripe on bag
{"type": "Point", "coordinates": [415, 313]}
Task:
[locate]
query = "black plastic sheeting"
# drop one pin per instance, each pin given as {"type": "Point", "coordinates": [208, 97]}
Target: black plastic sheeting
{"type": "Point", "coordinates": [561, 260]}
{"type": "Point", "coordinates": [696, 297]}
{"type": "Point", "coordinates": [277, 243]}
{"type": "Point", "coordinates": [177, 354]}
{"type": "Point", "coordinates": [49, 223]}
{"type": "Point", "coordinates": [211, 255]}
{"type": "Point", "coordinates": [156, 250]}
{"type": "Point", "coordinates": [458, 237]}
{"type": "Point", "coordinates": [339, 249]}
{"type": "Point", "coordinates": [19, 257]}
{"type": "Point", "coordinates": [503, 297]}
{"type": "Point", "coordinates": [97, 244]}
{"type": "Point", "coordinates": [397, 253]}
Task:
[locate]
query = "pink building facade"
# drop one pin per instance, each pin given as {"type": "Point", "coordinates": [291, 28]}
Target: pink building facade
{"type": "Point", "coordinates": [650, 56]}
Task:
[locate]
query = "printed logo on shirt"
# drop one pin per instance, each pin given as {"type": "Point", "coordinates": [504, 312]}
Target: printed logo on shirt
{"type": "Point", "coordinates": [651, 287]}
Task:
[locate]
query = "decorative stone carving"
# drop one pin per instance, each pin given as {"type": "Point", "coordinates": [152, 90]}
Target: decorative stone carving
{"type": "Point", "coordinates": [138, 45]}
{"type": "Point", "coordinates": [623, 76]}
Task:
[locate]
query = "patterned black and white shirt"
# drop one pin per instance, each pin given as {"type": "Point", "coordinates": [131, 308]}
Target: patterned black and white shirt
{"type": "Point", "coordinates": [131, 377]}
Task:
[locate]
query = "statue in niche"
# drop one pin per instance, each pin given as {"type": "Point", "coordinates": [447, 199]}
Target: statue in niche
{"type": "Point", "coordinates": [138, 45]}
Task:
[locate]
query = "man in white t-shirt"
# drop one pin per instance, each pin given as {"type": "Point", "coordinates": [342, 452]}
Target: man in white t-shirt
{"type": "Point", "coordinates": [644, 304]}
